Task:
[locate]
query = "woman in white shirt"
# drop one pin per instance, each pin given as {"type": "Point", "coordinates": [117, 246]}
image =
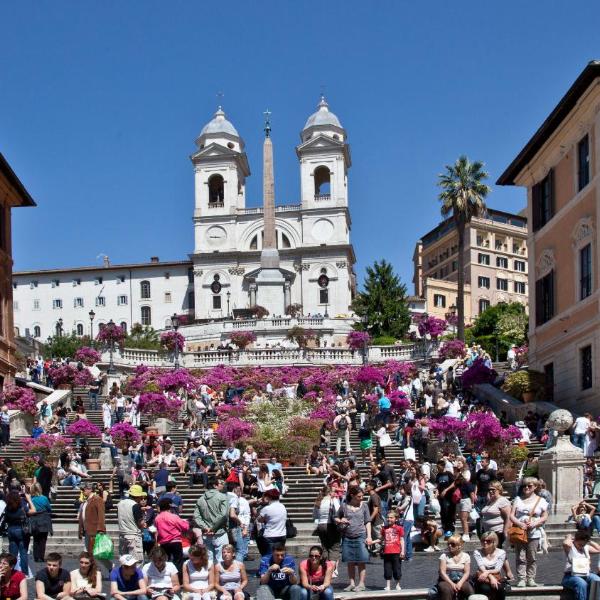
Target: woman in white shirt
{"type": "Point", "coordinates": [87, 578]}
{"type": "Point", "coordinates": [490, 561]}
{"type": "Point", "coordinates": [161, 577]}
{"type": "Point", "coordinates": [455, 567]}
{"type": "Point", "coordinates": [578, 570]}
{"type": "Point", "coordinates": [198, 575]}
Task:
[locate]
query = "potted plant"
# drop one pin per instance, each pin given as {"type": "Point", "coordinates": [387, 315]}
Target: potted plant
{"type": "Point", "coordinates": [259, 312]}
{"type": "Point", "coordinates": [20, 398]}
{"type": "Point", "coordinates": [159, 406]}
{"type": "Point", "coordinates": [242, 339]}
{"type": "Point", "coordinates": [527, 385]}
{"type": "Point", "coordinates": [26, 469]}
{"type": "Point", "coordinates": [358, 340]}
{"type": "Point", "coordinates": [46, 445]}
{"type": "Point", "coordinates": [293, 310]}
{"type": "Point", "coordinates": [63, 376]}
{"type": "Point", "coordinates": [88, 356]}
{"type": "Point", "coordinates": [172, 340]}
{"type": "Point", "coordinates": [125, 435]}
{"type": "Point", "coordinates": [301, 336]}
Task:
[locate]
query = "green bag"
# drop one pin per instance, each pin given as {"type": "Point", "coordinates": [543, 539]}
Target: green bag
{"type": "Point", "coordinates": [103, 546]}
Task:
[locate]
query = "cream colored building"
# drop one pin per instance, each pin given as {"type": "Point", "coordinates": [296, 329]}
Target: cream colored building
{"type": "Point", "coordinates": [495, 264]}
{"type": "Point", "coordinates": [559, 168]}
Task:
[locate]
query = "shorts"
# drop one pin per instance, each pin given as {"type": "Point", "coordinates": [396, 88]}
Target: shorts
{"type": "Point", "coordinates": [465, 505]}
{"type": "Point", "coordinates": [366, 444]}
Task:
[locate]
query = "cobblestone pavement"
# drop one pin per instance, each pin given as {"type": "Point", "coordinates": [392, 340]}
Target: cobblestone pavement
{"type": "Point", "coordinates": [420, 572]}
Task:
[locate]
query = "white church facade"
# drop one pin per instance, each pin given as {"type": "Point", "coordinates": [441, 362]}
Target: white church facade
{"type": "Point", "coordinates": [311, 261]}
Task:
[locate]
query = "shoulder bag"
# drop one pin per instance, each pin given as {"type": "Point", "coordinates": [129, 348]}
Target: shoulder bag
{"type": "Point", "coordinates": [516, 534]}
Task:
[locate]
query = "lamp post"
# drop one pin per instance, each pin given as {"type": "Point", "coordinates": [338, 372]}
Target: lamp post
{"type": "Point", "coordinates": [326, 315]}
{"type": "Point", "coordinates": [111, 347]}
{"type": "Point", "coordinates": [175, 326]}
{"type": "Point", "coordinates": [451, 317]}
{"type": "Point", "coordinates": [228, 297]}
{"type": "Point", "coordinates": [365, 322]}
{"type": "Point", "coordinates": [91, 315]}
{"type": "Point", "coordinates": [60, 327]}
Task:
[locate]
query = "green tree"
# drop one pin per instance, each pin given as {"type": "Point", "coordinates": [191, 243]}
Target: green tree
{"type": "Point", "coordinates": [64, 346]}
{"type": "Point", "coordinates": [142, 337]}
{"type": "Point", "coordinates": [383, 302]}
{"type": "Point", "coordinates": [463, 196]}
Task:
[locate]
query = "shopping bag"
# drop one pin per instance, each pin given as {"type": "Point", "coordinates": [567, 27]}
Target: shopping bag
{"type": "Point", "coordinates": [410, 454]}
{"type": "Point", "coordinates": [103, 546]}
{"type": "Point", "coordinates": [385, 440]}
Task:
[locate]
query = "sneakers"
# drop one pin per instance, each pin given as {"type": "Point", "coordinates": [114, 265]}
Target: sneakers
{"type": "Point", "coordinates": [429, 549]}
{"type": "Point", "coordinates": [349, 588]}
{"type": "Point", "coordinates": [437, 548]}
{"type": "Point", "coordinates": [398, 587]}
{"type": "Point", "coordinates": [521, 583]}
{"type": "Point", "coordinates": [359, 588]}
{"type": "Point", "coordinates": [466, 537]}
{"type": "Point", "coordinates": [532, 583]}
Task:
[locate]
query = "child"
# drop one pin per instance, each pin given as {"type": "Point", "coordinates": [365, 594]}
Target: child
{"type": "Point", "coordinates": [393, 551]}
{"type": "Point", "coordinates": [430, 534]}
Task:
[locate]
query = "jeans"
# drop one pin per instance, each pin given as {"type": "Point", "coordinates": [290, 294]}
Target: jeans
{"type": "Point", "coordinates": [214, 545]}
{"type": "Point", "coordinates": [579, 585]}
{"type": "Point", "coordinates": [120, 413]}
{"type": "Point", "coordinates": [72, 480]}
{"type": "Point", "coordinates": [289, 592]}
{"type": "Point", "coordinates": [408, 548]}
{"type": "Point", "coordinates": [39, 546]}
{"type": "Point", "coordinates": [595, 524]}
{"type": "Point", "coordinates": [326, 594]}
{"type": "Point", "coordinates": [18, 543]}
{"type": "Point", "coordinates": [578, 439]}
{"type": "Point", "coordinates": [241, 544]}
{"type": "Point", "coordinates": [4, 434]}
{"type": "Point", "coordinates": [93, 400]}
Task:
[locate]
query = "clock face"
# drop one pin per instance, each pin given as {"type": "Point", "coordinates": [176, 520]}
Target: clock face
{"type": "Point", "coordinates": [216, 236]}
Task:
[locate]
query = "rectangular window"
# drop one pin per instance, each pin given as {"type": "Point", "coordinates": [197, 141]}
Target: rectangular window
{"type": "Point", "coordinates": [78, 303]}
{"type": "Point", "coordinates": [216, 303]}
{"type": "Point", "coordinates": [324, 296]}
{"type": "Point", "coordinates": [55, 283]}
{"type": "Point", "coordinates": [36, 305]}
{"type": "Point", "coordinates": [191, 300]}
{"type": "Point", "coordinates": [549, 375]}
{"type": "Point", "coordinates": [100, 301]}
{"type": "Point", "coordinates": [502, 262]}
{"type": "Point", "coordinates": [585, 271]}
{"type": "Point", "coordinates": [454, 265]}
{"type": "Point", "coordinates": [76, 282]}
{"type": "Point", "coordinates": [57, 303]}
{"type": "Point", "coordinates": [519, 287]}
{"type": "Point", "coordinates": [483, 259]}
{"type": "Point", "coordinates": [520, 266]}
{"type": "Point", "coordinates": [33, 284]}
{"type": "Point", "coordinates": [542, 197]}
{"type": "Point", "coordinates": [483, 305]}
{"type": "Point", "coordinates": [544, 299]}
{"type": "Point", "coordinates": [97, 280]}
{"type": "Point", "coordinates": [439, 300]}
{"type": "Point", "coordinates": [502, 284]}
{"type": "Point", "coordinates": [121, 300]}
{"type": "Point", "coordinates": [168, 297]}
{"type": "Point", "coordinates": [120, 278]}
{"type": "Point", "coordinates": [585, 356]}
{"type": "Point", "coordinates": [190, 275]}
{"type": "Point", "coordinates": [483, 282]}
{"type": "Point", "coordinates": [583, 163]}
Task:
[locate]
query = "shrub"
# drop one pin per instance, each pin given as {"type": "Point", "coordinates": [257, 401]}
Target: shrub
{"type": "Point", "coordinates": [259, 312]}
{"type": "Point", "coordinates": [452, 349]}
{"type": "Point", "coordinates": [88, 356]}
{"type": "Point", "coordinates": [300, 335]}
{"type": "Point", "coordinates": [242, 339]}
{"type": "Point", "coordinates": [83, 378]}
{"type": "Point", "coordinates": [357, 340]}
{"type": "Point", "coordinates": [83, 428]}
{"type": "Point", "coordinates": [293, 310]}
{"type": "Point", "coordinates": [477, 374]}
{"type": "Point", "coordinates": [63, 375]}
{"type": "Point", "coordinates": [111, 332]}
{"type": "Point", "coordinates": [519, 382]}
{"type": "Point", "coordinates": [46, 444]}
{"type": "Point", "coordinates": [172, 340]}
{"type": "Point", "coordinates": [431, 326]}
{"type": "Point", "coordinates": [20, 398]}
{"type": "Point", "coordinates": [233, 429]}
{"type": "Point", "coordinates": [125, 435]}
{"type": "Point", "coordinates": [384, 340]}
{"type": "Point", "coordinates": [157, 406]}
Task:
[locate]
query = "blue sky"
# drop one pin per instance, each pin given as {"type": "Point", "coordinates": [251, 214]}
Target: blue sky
{"type": "Point", "coordinates": [100, 103]}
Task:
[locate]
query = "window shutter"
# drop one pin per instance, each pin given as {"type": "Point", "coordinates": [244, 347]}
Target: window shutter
{"type": "Point", "coordinates": [551, 308]}
{"type": "Point", "coordinates": [536, 195]}
{"type": "Point", "coordinates": [551, 188]}
{"type": "Point", "coordinates": [539, 303]}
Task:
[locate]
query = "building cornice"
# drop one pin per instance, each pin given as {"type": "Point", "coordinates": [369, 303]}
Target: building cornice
{"type": "Point", "coordinates": [102, 269]}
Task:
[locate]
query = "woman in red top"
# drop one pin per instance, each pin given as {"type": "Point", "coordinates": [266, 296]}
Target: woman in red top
{"type": "Point", "coordinates": [392, 536]}
{"type": "Point", "coordinates": [13, 584]}
{"type": "Point", "coordinates": [315, 575]}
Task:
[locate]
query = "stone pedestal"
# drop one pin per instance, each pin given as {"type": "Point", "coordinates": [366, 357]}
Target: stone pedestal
{"type": "Point", "coordinates": [163, 425]}
{"type": "Point", "coordinates": [106, 463]}
{"type": "Point", "coordinates": [21, 424]}
{"type": "Point", "coordinates": [561, 467]}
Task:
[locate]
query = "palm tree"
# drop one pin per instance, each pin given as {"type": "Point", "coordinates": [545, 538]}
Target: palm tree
{"type": "Point", "coordinates": [463, 196]}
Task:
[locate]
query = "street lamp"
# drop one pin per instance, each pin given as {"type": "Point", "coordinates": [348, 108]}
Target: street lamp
{"type": "Point", "coordinates": [111, 346]}
{"type": "Point", "coordinates": [175, 326]}
{"type": "Point", "coordinates": [365, 322]}
{"type": "Point", "coordinates": [60, 327]}
{"type": "Point", "coordinates": [91, 315]}
{"type": "Point", "coordinates": [228, 297]}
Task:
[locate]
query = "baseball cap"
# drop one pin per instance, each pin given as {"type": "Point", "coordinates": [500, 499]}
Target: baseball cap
{"type": "Point", "coordinates": [127, 560]}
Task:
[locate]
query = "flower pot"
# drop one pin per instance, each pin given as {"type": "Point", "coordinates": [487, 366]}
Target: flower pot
{"type": "Point", "coordinates": [93, 464]}
{"type": "Point", "coordinates": [152, 430]}
{"type": "Point", "coordinates": [528, 397]}
{"type": "Point", "coordinates": [285, 463]}
{"type": "Point", "coordinates": [64, 386]}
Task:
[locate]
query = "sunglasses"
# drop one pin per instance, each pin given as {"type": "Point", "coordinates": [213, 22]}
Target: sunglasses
{"type": "Point", "coordinates": [315, 556]}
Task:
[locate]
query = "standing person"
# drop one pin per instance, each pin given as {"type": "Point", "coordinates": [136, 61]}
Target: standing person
{"type": "Point", "coordinates": [274, 517]}
{"type": "Point", "coordinates": [120, 404]}
{"type": "Point", "coordinates": [53, 582]}
{"type": "Point", "coordinates": [324, 512]}
{"type": "Point", "coordinates": [86, 581]}
{"type": "Point", "coordinates": [127, 580]}
{"type": "Point", "coordinates": [483, 477]}
{"type": "Point", "coordinates": [210, 515]}
{"type": "Point", "coordinates": [198, 574]}
{"type": "Point", "coordinates": [93, 394]}
{"type": "Point", "coordinates": [43, 475]}
{"type": "Point", "coordinates": [490, 561]}
{"type": "Point", "coordinates": [365, 441]}
{"type": "Point", "coordinates": [278, 577]}
{"type": "Point", "coordinates": [495, 515]}
{"type": "Point", "coordinates": [315, 575]}
{"type": "Point", "coordinates": [580, 428]}
{"type": "Point", "coordinates": [383, 484]}
{"type": "Point", "coordinates": [529, 512]}
{"type": "Point", "coordinates": [242, 531]}
{"type": "Point", "coordinates": [91, 520]}
{"type": "Point", "coordinates": [578, 575]}
{"type": "Point", "coordinates": [41, 522]}
{"type": "Point", "coordinates": [444, 479]}
{"type": "Point", "coordinates": [392, 536]}
{"type": "Point", "coordinates": [107, 414]}
{"type": "Point", "coordinates": [4, 426]}
{"type": "Point", "coordinates": [169, 530]}
{"type": "Point", "coordinates": [13, 584]}
{"type": "Point", "coordinates": [15, 516]}
{"type": "Point", "coordinates": [385, 407]}
{"type": "Point", "coordinates": [354, 519]}
{"type": "Point", "coordinates": [455, 567]}
{"type": "Point", "coordinates": [341, 426]}
{"type": "Point", "coordinates": [130, 517]}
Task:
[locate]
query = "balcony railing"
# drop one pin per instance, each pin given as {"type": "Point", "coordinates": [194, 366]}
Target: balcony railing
{"type": "Point", "coordinates": [219, 204]}
{"type": "Point", "coordinates": [321, 197]}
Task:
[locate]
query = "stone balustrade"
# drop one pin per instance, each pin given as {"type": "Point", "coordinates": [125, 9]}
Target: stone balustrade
{"type": "Point", "coordinates": [277, 323]}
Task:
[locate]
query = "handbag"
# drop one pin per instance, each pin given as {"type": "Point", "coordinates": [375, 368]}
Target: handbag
{"type": "Point", "coordinates": [456, 496]}
{"type": "Point", "coordinates": [385, 440]}
{"type": "Point", "coordinates": [516, 534]}
{"type": "Point", "coordinates": [290, 529]}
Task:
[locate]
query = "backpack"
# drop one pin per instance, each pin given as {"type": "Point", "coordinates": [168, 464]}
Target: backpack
{"type": "Point", "coordinates": [343, 424]}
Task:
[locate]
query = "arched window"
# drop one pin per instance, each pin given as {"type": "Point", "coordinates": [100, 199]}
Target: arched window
{"type": "Point", "coordinates": [79, 329]}
{"type": "Point", "coordinates": [37, 332]}
{"type": "Point", "coordinates": [145, 290]}
{"type": "Point", "coordinates": [146, 315]}
{"type": "Point", "coordinates": [254, 243]}
{"type": "Point", "coordinates": [124, 326]}
{"type": "Point", "coordinates": [216, 190]}
{"type": "Point", "coordinates": [322, 182]}
{"type": "Point", "coordinates": [285, 241]}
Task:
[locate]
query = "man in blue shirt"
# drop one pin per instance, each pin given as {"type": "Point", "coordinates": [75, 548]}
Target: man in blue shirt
{"type": "Point", "coordinates": [274, 464]}
{"type": "Point", "coordinates": [173, 495]}
{"type": "Point", "coordinates": [37, 430]}
{"type": "Point", "coordinates": [127, 581]}
{"type": "Point", "coordinates": [385, 407]}
{"type": "Point", "coordinates": [278, 577]}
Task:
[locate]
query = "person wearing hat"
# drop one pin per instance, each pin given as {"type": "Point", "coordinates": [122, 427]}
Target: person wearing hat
{"type": "Point", "coordinates": [127, 580]}
{"type": "Point", "coordinates": [130, 517]}
{"type": "Point", "coordinates": [273, 516]}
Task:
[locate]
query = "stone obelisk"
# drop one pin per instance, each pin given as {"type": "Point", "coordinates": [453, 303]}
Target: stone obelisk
{"type": "Point", "coordinates": [269, 281]}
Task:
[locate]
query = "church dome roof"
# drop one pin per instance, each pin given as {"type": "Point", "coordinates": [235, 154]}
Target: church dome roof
{"type": "Point", "coordinates": [323, 117]}
{"type": "Point", "coordinates": [219, 124]}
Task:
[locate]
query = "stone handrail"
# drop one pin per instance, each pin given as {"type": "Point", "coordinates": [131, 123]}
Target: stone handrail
{"type": "Point", "coordinates": [283, 322]}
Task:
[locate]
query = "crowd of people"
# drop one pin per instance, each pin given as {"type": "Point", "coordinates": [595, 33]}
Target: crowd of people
{"type": "Point", "coordinates": [366, 507]}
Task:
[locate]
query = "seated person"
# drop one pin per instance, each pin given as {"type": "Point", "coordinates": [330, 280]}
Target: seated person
{"type": "Point", "coordinates": [585, 517]}
{"type": "Point", "coordinates": [53, 582]}
{"type": "Point", "coordinates": [161, 577]}
{"type": "Point", "coordinates": [13, 584]}
{"type": "Point", "coordinates": [578, 569]}
{"type": "Point", "coordinates": [430, 534]}
{"type": "Point", "coordinates": [127, 581]}
{"type": "Point", "coordinates": [278, 577]}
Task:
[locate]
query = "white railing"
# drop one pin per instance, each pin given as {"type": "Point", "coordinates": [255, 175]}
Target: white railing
{"type": "Point", "coordinates": [276, 323]}
{"type": "Point", "coordinates": [258, 209]}
{"type": "Point", "coordinates": [130, 357]}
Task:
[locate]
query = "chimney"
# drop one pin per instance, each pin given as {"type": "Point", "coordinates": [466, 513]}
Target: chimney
{"type": "Point", "coordinates": [106, 261]}
{"type": "Point", "coordinates": [154, 259]}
